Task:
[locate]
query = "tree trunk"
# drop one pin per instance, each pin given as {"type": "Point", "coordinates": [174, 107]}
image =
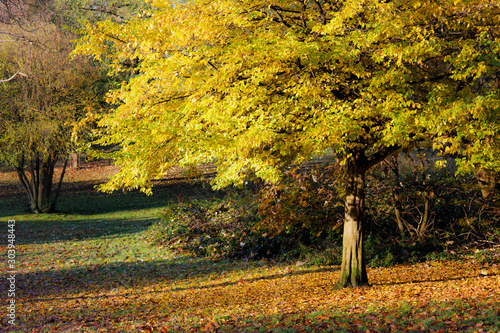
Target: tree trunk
{"type": "Point", "coordinates": [46, 173]}
{"type": "Point", "coordinates": [58, 189]}
{"type": "Point", "coordinates": [353, 269]}
{"type": "Point", "coordinates": [487, 182]}
{"type": "Point", "coordinates": [39, 185]}
{"type": "Point", "coordinates": [74, 160]}
{"type": "Point", "coordinates": [393, 164]}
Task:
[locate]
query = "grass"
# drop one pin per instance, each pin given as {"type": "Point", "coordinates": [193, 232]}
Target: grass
{"type": "Point", "coordinates": [90, 268]}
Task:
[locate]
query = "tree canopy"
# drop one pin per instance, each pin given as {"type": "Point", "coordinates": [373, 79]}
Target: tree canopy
{"type": "Point", "coordinates": [255, 86]}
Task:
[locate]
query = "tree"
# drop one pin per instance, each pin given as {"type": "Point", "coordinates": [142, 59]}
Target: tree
{"type": "Point", "coordinates": [38, 110]}
{"type": "Point", "coordinates": [77, 11]}
{"type": "Point", "coordinates": [50, 92]}
{"type": "Point", "coordinates": [255, 86]}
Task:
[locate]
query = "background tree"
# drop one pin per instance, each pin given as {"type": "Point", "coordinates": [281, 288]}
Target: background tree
{"type": "Point", "coordinates": [37, 111]}
{"type": "Point", "coordinates": [36, 38]}
{"type": "Point", "coordinates": [255, 86]}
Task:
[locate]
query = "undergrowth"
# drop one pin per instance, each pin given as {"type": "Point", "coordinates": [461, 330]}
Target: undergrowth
{"type": "Point", "coordinates": [441, 216]}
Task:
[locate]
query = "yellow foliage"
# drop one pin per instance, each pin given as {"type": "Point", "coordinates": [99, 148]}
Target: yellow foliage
{"type": "Point", "coordinates": [255, 85]}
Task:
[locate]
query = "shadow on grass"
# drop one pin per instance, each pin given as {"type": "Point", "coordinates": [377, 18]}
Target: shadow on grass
{"type": "Point", "coordinates": [56, 229]}
{"type": "Point", "coordinates": [467, 314]}
{"type": "Point", "coordinates": [106, 278]}
{"type": "Point", "coordinates": [434, 280]}
{"type": "Point", "coordinates": [93, 202]}
{"type": "Point", "coordinates": [458, 315]}
{"type": "Point", "coordinates": [172, 314]}
{"type": "Point", "coordinates": [109, 277]}
{"type": "Point", "coordinates": [85, 213]}
{"type": "Point", "coordinates": [84, 199]}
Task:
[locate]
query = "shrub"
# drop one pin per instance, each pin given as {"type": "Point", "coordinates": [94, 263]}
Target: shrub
{"type": "Point", "coordinates": [450, 205]}
{"type": "Point", "coordinates": [278, 220]}
{"type": "Point", "coordinates": [300, 217]}
{"type": "Point", "coordinates": [218, 228]}
{"type": "Point", "coordinates": [204, 228]}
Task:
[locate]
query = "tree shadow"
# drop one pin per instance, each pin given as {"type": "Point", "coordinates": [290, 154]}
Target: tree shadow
{"type": "Point", "coordinates": [47, 285]}
{"type": "Point", "coordinates": [174, 312]}
{"type": "Point", "coordinates": [85, 213]}
{"type": "Point", "coordinates": [83, 198]}
{"type": "Point", "coordinates": [59, 230]}
{"type": "Point", "coordinates": [171, 191]}
{"type": "Point", "coordinates": [106, 278]}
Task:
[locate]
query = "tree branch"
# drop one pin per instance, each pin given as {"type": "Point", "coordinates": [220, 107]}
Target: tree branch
{"type": "Point", "coordinates": [321, 11]}
{"type": "Point", "coordinates": [112, 37]}
{"type": "Point", "coordinates": [380, 155]}
{"type": "Point", "coordinates": [58, 189]}
{"type": "Point", "coordinates": [280, 17]}
{"type": "Point", "coordinates": [13, 77]}
{"type": "Point", "coordinates": [104, 11]}
{"type": "Point", "coordinates": [170, 99]}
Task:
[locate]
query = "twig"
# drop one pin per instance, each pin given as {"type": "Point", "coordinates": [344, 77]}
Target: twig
{"type": "Point", "coordinates": [13, 76]}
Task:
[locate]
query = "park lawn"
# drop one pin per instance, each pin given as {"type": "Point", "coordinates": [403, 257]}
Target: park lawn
{"type": "Point", "coordinates": [90, 268]}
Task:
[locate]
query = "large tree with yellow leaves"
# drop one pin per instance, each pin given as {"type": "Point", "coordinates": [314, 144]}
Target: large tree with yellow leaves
{"type": "Point", "coordinates": [255, 86]}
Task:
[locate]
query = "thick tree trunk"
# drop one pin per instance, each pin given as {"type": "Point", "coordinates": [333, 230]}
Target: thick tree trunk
{"type": "Point", "coordinates": [353, 269]}
{"type": "Point", "coordinates": [46, 174]}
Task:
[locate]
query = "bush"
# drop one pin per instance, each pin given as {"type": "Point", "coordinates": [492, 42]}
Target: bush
{"type": "Point", "coordinates": [383, 251]}
{"type": "Point", "coordinates": [204, 228]}
{"type": "Point", "coordinates": [300, 217]}
{"type": "Point", "coordinates": [451, 206]}
{"type": "Point", "coordinates": [219, 228]}
{"type": "Point", "coordinates": [304, 206]}
{"type": "Point", "coordinates": [315, 255]}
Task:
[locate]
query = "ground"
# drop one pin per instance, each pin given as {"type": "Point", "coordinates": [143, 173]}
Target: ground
{"type": "Point", "coordinates": [90, 268]}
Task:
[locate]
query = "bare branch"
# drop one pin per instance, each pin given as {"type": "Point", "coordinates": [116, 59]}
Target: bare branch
{"type": "Point", "coordinates": [382, 154]}
{"type": "Point", "coordinates": [280, 17]}
{"type": "Point", "coordinates": [13, 76]}
{"type": "Point", "coordinates": [321, 11]}
{"type": "Point", "coordinates": [171, 99]}
{"type": "Point", "coordinates": [104, 11]}
{"type": "Point", "coordinates": [113, 37]}
{"type": "Point", "coordinates": [19, 37]}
